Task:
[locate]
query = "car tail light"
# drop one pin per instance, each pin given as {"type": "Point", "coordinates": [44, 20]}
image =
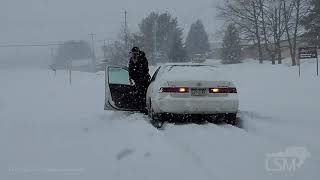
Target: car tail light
{"type": "Point", "coordinates": [222, 90]}
{"type": "Point", "coordinates": [174, 90]}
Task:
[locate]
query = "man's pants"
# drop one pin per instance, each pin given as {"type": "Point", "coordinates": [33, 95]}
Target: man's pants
{"type": "Point", "coordinates": [140, 97]}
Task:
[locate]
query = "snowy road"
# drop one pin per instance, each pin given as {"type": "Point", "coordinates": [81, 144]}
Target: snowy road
{"type": "Point", "coordinates": [50, 130]}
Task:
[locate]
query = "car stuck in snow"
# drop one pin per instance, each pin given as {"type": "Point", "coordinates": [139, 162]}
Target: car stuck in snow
{"type": "Point", "coordinates": [176, 90]}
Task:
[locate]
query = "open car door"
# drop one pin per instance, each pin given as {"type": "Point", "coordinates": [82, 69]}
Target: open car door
{"type": "Point", "coordinates": [119, 94]}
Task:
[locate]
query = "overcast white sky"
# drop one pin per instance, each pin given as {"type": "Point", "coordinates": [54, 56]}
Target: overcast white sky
{"type": "Point", "coordinates": [37, 21]}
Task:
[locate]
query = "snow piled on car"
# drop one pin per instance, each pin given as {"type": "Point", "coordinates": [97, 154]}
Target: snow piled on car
{"type": "Point", "coordinates": [192, 72]}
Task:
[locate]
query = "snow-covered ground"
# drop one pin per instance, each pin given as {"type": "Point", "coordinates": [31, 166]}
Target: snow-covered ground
{"type": "Point", "coordinates": [50, 130]}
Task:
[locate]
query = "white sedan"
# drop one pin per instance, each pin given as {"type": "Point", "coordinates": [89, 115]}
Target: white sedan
{"type": "Point", "coordinates": [180, 89]}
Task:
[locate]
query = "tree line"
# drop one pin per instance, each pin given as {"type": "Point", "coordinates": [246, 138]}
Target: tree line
{"type": "Point", "coordinates": [161, 37]}
{"type": "Point", "coordinates": [271, 25]}
{"type": "Point", "coordinates": [71, 51]}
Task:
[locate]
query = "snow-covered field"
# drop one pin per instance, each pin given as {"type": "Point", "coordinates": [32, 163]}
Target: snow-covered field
{"type": "Point", "coordinates": [50, 130]}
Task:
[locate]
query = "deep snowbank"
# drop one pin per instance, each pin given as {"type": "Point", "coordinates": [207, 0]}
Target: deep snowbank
{"type": "Point", "coordinates": [51, 130]}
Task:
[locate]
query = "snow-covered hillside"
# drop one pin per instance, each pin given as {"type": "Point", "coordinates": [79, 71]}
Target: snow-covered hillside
{"type": "Point", "coordinates": [50, 130]}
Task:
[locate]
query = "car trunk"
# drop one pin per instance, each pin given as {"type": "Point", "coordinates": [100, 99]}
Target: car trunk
{"type": "Point", "coordinates": [198, 89]}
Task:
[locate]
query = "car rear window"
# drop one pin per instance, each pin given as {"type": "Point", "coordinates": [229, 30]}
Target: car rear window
{"type": "Point", "coordinates": [189, 68]}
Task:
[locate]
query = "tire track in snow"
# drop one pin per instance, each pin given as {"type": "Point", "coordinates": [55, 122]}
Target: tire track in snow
{"type": "Point", "coordinates": [181, 146]}
{"type": "Point", "coordinates": [188, 152]}
{"type": "Point", "coordinates": [189, 145]}
{"type": "Point", "coordinates": [182, 149]}
{"type": "Point", "coordinates": [246, 118]}
{"type": "Point", "coordinates": [212, 148]}
{"type": "Point", "coordinates": [253, 115]}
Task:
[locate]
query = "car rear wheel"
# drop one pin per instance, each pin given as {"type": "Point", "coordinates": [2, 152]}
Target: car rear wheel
{"type": "Point", "coordinates": [154, 119]}
{"type": "Point", "coordinates": [231, 119]}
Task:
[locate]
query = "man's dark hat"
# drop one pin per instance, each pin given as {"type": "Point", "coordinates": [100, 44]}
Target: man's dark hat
{"type": "Point", "coordinates": [135, 50]}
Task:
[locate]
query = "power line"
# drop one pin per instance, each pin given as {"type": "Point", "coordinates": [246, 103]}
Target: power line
{"type": "Point", "coordinates": [106, 39]}
{"type": "Point", "coordinates": [29, 45]}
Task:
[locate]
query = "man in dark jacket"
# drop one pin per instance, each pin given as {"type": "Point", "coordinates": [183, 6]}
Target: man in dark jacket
{"type": "Point", "coordinates": [139, 76]}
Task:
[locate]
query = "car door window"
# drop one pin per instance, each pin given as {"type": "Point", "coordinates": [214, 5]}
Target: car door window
{"type": "Point", "coordinates": [118, 75]}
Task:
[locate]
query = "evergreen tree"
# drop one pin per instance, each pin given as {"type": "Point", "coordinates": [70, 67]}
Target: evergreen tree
{"type": "Point", "coordinates": [231, 49]}
{"type": "Point", "coordinates": [160, 33]}
{"type": "Point", "coordinates": [197, 41]}
{"type": "Point", "coordinates": [312, 23]}
{"type": "Point", "coordinates": [176, 51]}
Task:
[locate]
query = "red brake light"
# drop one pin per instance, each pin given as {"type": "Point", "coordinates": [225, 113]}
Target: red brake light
{"type": "Point", "coordinates": [223, 90]}
{"type": "Point", "coordinates": [174, 90]}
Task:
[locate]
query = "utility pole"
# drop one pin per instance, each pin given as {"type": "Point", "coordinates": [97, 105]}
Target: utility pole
{"type": "Point", "coordinates": [125, 29]}
{"type": "Point", "coordinates": [52, 53]}
{"type": "Point", "coordinates": [52, 61]}
{"type": "Point", "coordinates": [155, 38]}
{"type": "Point", "coordinates": [104, 49]}
{"type": "Point", "coordinates": [93, 56]}
{"type": "Point", "coordinates": [70, 76]}
{"type": "Point", "coordinates": [317, 55]}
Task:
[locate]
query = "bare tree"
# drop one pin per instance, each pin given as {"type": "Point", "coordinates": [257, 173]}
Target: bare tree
{"type": "Point", "coordinates": [275, 28]}
{"type": "Point", "coordinates": [294, 11]}
{"type": "Point", "coordinates": [246, 15]}
{"type": "Point", "coordinates": [287, 13]}
{"type": "Point", "coordinates": [117, 52]}
{"type": "Point", "coordinates": [256, 14]}
{"type": "Point", "coordinates": [272, 29]}
{"type": "Point", "coordinates": [267, 23]}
